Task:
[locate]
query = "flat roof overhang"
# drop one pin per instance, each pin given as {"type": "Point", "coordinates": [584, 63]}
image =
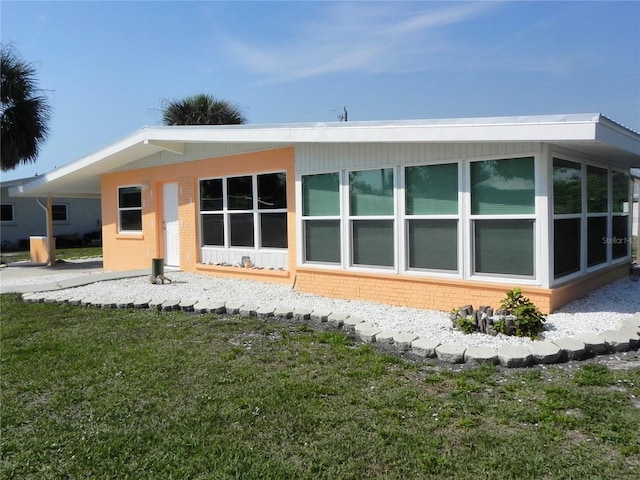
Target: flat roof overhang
{"type": "Point", "coordinates": [591, 134]}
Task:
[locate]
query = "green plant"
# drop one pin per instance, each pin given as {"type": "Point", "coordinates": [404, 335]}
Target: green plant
{"type": "Point", "coordinates": [500, 326]}
{"type": "Point", "coordinates": [529, 321]}
{"type": "Point", "coordinates": [466, 324]}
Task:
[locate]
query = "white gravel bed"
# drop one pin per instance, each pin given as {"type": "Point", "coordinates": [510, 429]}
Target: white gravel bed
{"type": "Point", "coordinates": [601, 310]}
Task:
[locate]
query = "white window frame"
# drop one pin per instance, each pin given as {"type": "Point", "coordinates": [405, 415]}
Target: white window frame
{"type": "Point", "coordinates": [123, 209]}
{"type": "Point", "coordinates": [349, 220]}
{"type": "Point", "coordinates": [404, 219]}
{"type": "Point", "coordinates": [226, 212]}
{"type": "Point", "coordinates": [66, 213]}
{"type": "Point", "coordinates": [472, 218]}
{"type": "Point", "coordinates": [310, 218]}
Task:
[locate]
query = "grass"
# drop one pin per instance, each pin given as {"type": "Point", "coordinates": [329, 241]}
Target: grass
{"type": "Point", "coordinates": [133, 394]}
{"type": "Point", "coordinates": [61, 254]}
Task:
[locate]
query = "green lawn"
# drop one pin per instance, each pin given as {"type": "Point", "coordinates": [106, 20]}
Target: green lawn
{"type": "Point", "coordinates": [132, 394]}
{"type": "Point", "coordinates": [61, 254]}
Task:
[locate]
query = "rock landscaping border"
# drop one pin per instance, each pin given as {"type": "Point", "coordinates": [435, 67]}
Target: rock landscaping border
{"type": "Point", "coordinates": [626, 337]}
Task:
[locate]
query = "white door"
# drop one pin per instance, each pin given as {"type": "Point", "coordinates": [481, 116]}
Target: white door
{"type": "Point", "coordinates": [171, 225]}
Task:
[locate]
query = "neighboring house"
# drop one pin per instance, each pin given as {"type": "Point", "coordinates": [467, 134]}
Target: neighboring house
{"type": "Point", "coordinates": [422, 213]}
{"type": "Point", "coordinates": [21, 218]}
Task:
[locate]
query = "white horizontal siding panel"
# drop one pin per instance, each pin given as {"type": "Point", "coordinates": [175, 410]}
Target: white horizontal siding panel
{"type": "Point", "coordinates": [261, 258]}
{"type": "Point", "coordinates": [313, 158]}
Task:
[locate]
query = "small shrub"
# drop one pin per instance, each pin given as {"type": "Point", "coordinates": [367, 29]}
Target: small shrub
{"type": "Point", "coordinates": [466, 324]}
{"type": "Point", "coordinates": [529, 321]}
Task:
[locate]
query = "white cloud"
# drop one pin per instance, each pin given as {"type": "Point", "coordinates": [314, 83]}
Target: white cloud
{"type": "Point", "coordinates": [363, 37]}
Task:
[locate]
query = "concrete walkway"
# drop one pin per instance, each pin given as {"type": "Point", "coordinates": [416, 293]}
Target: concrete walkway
{"type": "Point", "coordinates": [626, 337]}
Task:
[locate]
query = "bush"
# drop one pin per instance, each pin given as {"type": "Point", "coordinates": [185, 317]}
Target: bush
{"type": "Point", "coordinates": [529, 321]}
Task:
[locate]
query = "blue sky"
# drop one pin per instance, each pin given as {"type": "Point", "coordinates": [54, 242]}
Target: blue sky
{"type": "Point", "coordinates": [107, 66]}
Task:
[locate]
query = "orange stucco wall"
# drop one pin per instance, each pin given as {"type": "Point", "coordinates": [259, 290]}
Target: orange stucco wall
{"type": "Point", "coordinates": [127, 251]}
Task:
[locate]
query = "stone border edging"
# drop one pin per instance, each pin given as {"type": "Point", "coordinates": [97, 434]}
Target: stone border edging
{"type": "Point", "coordinates": [626, 337]}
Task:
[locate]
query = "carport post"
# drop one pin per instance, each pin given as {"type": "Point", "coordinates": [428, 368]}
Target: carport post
{"type": "Point", "coordinates": [51, 241]}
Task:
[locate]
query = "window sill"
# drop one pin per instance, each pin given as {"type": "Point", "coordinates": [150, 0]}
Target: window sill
{"type": "Point", "coordinates": [130, 236]}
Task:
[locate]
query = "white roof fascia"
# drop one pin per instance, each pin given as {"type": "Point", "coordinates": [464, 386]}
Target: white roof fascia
{"type": "Point", "coordinates": [584, 129]}
{"type": "Point", "coordinates": [527, 129]}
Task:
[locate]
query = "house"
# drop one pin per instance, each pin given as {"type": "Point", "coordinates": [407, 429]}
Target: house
{"type": "Point", "coordinates": [22, 218]}
{"type": "Point", "coordinates": [422, 213]}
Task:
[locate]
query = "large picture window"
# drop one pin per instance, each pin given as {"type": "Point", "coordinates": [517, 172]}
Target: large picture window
{"type": "Point", "coordinates": [248, 211]}
{"type": "Point", "coordinates": [130, 209]}
{"type": "Point", "coordinates": [503, 216]}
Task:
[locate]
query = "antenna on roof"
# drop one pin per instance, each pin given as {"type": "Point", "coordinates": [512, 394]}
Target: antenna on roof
{"type": "Point", "coordinates": [343, 117]}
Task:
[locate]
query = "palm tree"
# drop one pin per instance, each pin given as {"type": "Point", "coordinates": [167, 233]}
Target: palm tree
{"type": "Point", "coordinates": [25, 111]}
{"type": "Point", "coordinates": [201, 109]}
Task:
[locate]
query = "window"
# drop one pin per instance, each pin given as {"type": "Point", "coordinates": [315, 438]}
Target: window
{"type": "Point", "coordinates": [371, 216]}
{"type": "Point", "coordinates": [500, 188]}
{"type": "Point", "coordinates": [431, 209]}
{"type": "Point", "coordinates": [130, 209]}
{"type": "Point", "coordinates": [597, 215]}
{"type": "Point", "coordinates": [620, 237]}
{"type": "Point", "coordinates": [59, 212]}
{"type": "Point", "coordinates": [504, 247]}
{"type": "Point", "coordinates": [321, 218]}
{"type": "Point", "coordinates": [567, 223]}
{"type": "Point", "coordinates": [588, 213]}
{"type": "Point", "coordinates": [6, 213]}
{"type": "Point", "coordinates": [232, 215]}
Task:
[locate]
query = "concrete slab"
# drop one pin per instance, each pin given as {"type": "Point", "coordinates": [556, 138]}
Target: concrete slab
{"type": "Point", "coordinates": [481, 355]}
{"type": "Point", "coordinates": [337, 319]}
{"type": "Point", "coordinates": [156, 303]}
{"type": "Point", "coordinates": [450, 353]}
{"type": "Point", "coordinates": [127, 303]}
{"type": "Point", "coordinates": [141, 302]}
{"type": "Point", "coordinates": [424, 347]}
{"type": "Point", "coordinates": [514, 356]}
{"type": "Point", "coordinates": [207, 306]}
{"type": "Point", "coordinates": [593, 343]}
{"type": "Point", "coordinates": [572, 349]}
{"type": "Point", "coordinates": [384, 339]}
{"type": "Point", "coordinates": [367, 332]}
{"type": "Point", "coordinates": [170, 305]}
{"type": "Point", "coordinates": [545, 352]}
{"type": "Point", "coordinates": [265, 312]}
{"type": "Point", "coordinates": [402, 341]}
{"type": "Point", "coordinates": [320, 316]}
{"type": "Point", "coordinates": [634, 338]}
{"type": "Point", "coordinates": [187, 305]}
{"type": "Point", "coordinates": [302, 314]}
{"type": "Point", "coordinates": [283, 312]}
{"type": "Point", "coordinates": [349, 323]}
{"type": "Point", "coordinates": [616, 341]}
{"type": "Point", "coordinates": [233, 308]}
{"type": "Point", "coordinates": [248, 310]}
{"type": "Point", "coordinates": [75, 300]}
